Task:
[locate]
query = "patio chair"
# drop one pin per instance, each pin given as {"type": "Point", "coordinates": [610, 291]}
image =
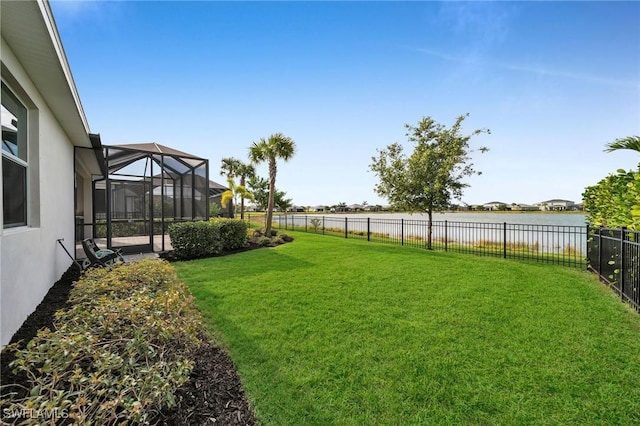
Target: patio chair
{"type": "Point", "coordinates": [98, 257]}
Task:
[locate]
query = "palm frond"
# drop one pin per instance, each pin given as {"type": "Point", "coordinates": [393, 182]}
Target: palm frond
{"type": "Point", "coordinates": [631, 142]}
{"type": "Point", "coordinates": [226, 197]}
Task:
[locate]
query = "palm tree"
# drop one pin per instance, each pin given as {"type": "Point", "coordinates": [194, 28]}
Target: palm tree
{"type": "Point", "coordinates": [233, 167]}
{"type": "Point", "coordinates": [231, 194]}
{"type": "Point", "coordinates": [631, 142]}
{"type": "Point", "coordinates": [269, 150]}
{"type": "Point", "coordinates": [245, 171]}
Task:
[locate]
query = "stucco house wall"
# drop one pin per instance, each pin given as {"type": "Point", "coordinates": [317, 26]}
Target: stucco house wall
{"type": "Point", "coordinates": [35, 69]}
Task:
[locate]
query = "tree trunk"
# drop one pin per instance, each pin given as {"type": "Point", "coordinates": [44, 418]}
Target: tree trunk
{"type": "Point", "coordinates": [242, 200]}
{"type": "Point", "coordinates": [429, 229]}
{"type": "Point", "coordinates": [272, 195]}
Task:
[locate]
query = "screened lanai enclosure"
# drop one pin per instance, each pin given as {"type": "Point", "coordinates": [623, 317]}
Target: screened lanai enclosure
{"type": "Point", "coordinates": [147, 188]}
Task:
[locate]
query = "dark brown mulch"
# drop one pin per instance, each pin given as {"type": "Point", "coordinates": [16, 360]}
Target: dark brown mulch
{"type": "Point", "coordinates": [212, 396]}
{"type": "Point", "coordinates": [57, 298]}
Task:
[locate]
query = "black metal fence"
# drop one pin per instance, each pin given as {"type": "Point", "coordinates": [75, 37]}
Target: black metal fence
{"type": "Point", "coordinates": [614, 254]}
{"type": "Point", "coordinates": [559, 244]}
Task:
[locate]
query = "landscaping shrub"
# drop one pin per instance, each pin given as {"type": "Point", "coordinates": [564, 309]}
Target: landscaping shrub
{"type": "Point", "coordinates": [233, 233]}
{"type": "Point", "coordinates": [258, 237]}
{"type": "Point", "coordinates": [200, 239]}
{"type": "Point", "coordinates": [191, 240]}
{"type": "Point", "coordinates": [253, 233]}
{"type": "Point", "coordinates": [286, 238]}
{"type": "Point", "coordinates": [264, 241]}
{"type": "Point", "coordinates": [117, 355]}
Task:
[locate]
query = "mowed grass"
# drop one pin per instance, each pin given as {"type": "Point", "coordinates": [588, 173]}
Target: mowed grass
{"type": "Point", "coordinates": [328, 331]}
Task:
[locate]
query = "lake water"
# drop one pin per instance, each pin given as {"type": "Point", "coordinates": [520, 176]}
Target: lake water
{"type": "Point", "coordinates": [540, 232]}
{"type": "Point", "coordinates": [560, 219]}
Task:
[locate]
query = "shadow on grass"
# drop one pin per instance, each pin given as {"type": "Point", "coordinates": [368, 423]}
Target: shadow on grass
{"type": "Point", "coordinates": [257, 262]}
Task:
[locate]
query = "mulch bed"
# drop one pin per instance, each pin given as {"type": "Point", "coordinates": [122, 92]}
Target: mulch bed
{"type": "Point", "coordinates": [212, 396]}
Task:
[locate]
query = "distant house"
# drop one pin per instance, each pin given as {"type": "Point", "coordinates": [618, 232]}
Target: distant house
{"type": "Point", "coordinates": [555, 204]}
{"type": "Point", "coordinates": [577, 207]}
{"type": "Point", "coordinates": [524, 207]}
{"type": "Point", "coordinates": [495, 205]}
{"type": "Point", "coordinates": [317, 209]}
{"type": "Point", "coordinates": [355, 208]}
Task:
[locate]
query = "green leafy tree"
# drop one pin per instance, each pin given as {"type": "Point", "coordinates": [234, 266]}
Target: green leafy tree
{"type": "Point", "coordinates": [232, 167]}
{"type": "Point", "coordinates": [283, 203]}
{"type": "Point", "coordinates": [428, 179]}
{"type": "Point", "coordinates": [277, 146]}
{"type": "Point", "coordinates": [614, 202]}
{"type": "Point", "coordinates": [259, 187]}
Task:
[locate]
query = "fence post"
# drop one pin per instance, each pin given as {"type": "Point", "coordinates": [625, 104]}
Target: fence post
{"type": "Point", "coordinates": [368, 229]}
{"type": "Point", "coordinates": [402, 232]}
{"type": "Point", "coordinates": [305, 223]}
{"type": "Point", "coordinates": [345, 228]}
{"type": "Point", "coordinates": [623, 232]}
{"type": "Point", "coordinates": [323, 225]}
{"type": "Point", "coordinates": [600, 251]}
{"type": "Point", "coordinates": [504, 240]}
{"type": "Point", "coordinates": [445, 236]}
{"type": "Point", "coordinates": [587, 241]}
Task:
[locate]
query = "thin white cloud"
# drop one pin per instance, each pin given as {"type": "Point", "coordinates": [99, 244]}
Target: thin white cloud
{"type": "Point", "coordinates": [535, 70]}
{"type": "Point", "coordinates": [445, 56]}
{"type": "Point", "coordinates": [571, 75]}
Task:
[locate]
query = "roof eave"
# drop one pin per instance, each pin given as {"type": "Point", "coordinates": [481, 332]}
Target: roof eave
{"type": "Point", "coordinates": [30, 30]}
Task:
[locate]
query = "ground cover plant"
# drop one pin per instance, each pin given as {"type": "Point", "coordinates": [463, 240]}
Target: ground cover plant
{"type": "Point", "coordinates": [125, 346]}
{"type": "Point", "coordinates": [340, 331]}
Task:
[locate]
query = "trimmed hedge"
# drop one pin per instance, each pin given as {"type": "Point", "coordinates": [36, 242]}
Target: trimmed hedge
{"type": "Point", "coordinates": [191, 240]}
{"type": "Point", "coordinates": [233, 233]}
{"type": "Point", "coordinates": [118, 354]}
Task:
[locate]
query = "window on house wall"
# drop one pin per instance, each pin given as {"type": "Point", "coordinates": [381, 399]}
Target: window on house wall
{"type": "Point", "coordinates": [13, 115]}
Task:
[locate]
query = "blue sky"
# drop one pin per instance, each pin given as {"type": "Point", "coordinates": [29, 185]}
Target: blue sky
{"type": "Point", "coordinates": [553, 81]}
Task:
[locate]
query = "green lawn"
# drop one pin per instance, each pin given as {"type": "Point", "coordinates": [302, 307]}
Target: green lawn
{"type": "Point", "coordinates": [328, 331]}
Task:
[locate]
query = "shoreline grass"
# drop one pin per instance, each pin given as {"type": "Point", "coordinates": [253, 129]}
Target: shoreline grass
{"type": "Point", "coordinates": [334, 331]}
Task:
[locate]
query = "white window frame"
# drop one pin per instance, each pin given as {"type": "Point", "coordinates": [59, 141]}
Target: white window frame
{"type": "Point", "coordinates": [21, 162]}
